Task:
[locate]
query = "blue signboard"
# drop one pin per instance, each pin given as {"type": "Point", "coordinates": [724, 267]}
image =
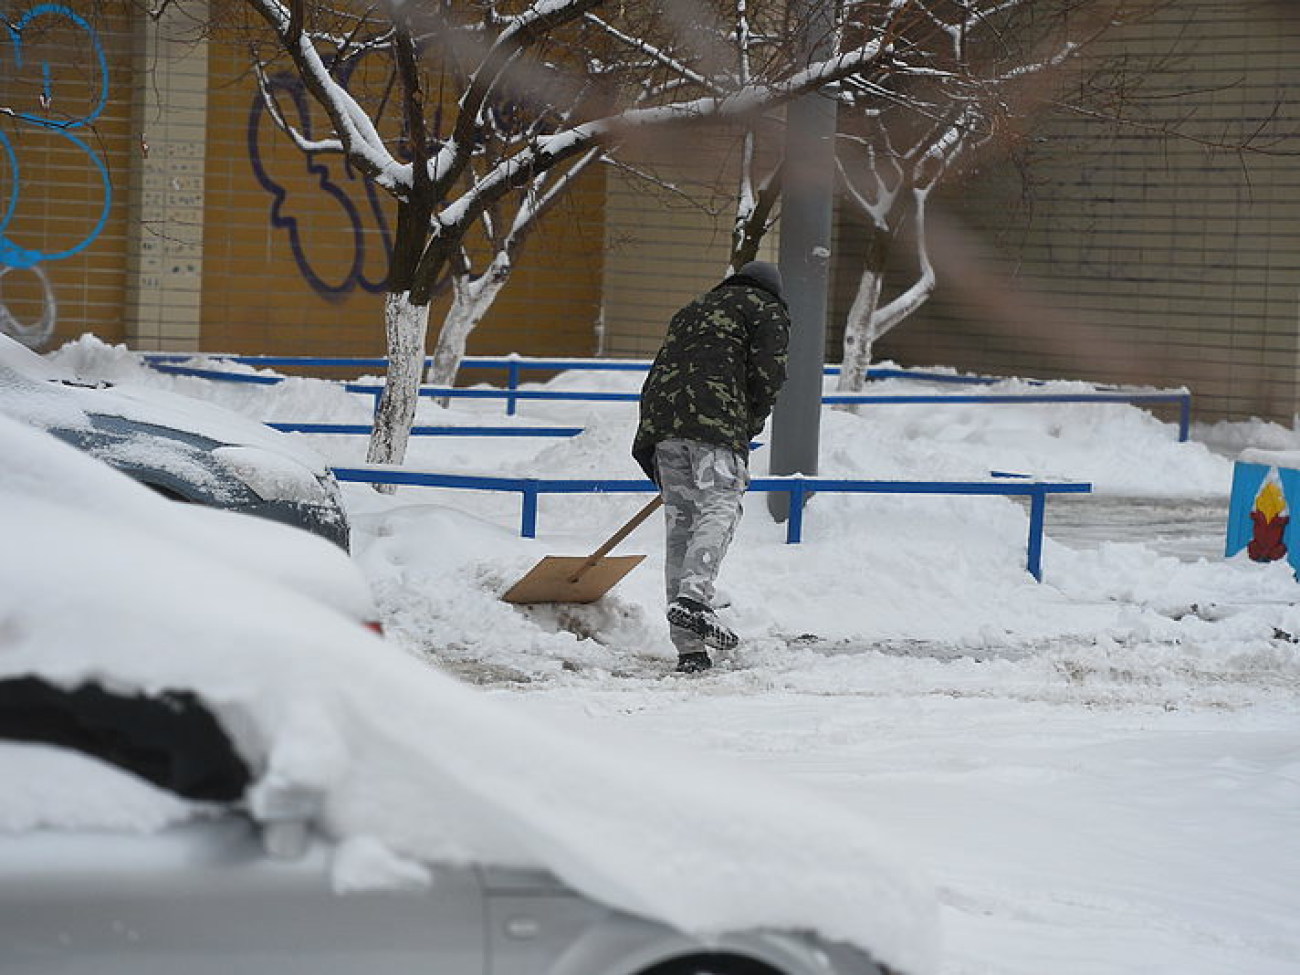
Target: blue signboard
{"type": "Point", "coordinates": [1259, 513]}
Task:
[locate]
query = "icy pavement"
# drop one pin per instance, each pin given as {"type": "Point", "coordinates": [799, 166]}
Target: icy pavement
{"type": "Point", "coordinates": [1187, 529]}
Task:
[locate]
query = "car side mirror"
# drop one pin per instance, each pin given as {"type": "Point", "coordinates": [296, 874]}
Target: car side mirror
{"type": "Point", "coordinates": [285, 811]}
{"type": "Point", "coordinates": [286, 839]}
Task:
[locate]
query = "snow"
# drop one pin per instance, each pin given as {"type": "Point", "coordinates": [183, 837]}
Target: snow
{"type": "Point", "coordinates": [363, 863]}
{"type": "Point", "coordinates": [1271, 458]}
{"type": "Point", "coordinates": [399, 762]}
{"type": "Point", "coordinates": [67, 790]}
{"type": "Point", "coordinates": [1098, 774]}
{"type": "Point", "coordinates": [21, 359]}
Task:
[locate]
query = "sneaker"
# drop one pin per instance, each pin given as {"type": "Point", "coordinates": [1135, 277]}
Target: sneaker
{"type": "Point", "coordinates": [693, 663]}
{"type": "Point", "coordinates": [690, 614]}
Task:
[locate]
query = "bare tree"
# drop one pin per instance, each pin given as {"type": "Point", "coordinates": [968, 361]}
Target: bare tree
{"type": "Point", "coordinates": [542, 90]}
{"type": "Point", "coordinates": [973, 73]}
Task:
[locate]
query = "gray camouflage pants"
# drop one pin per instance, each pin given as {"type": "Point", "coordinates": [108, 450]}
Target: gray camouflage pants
{"type": "Point", "coordinates": [702, 486]}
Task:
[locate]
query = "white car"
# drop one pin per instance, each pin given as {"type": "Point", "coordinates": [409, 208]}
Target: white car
{"type": "Point", "coordinates": [181, 447]}
{"type": "Point", "coordinates": [209, 770]}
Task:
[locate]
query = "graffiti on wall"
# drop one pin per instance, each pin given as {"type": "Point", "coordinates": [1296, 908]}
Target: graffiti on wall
{"type": "Point", "coordinates": [337, 209]}
{"type": "Point", "coordinates": [51, 90]}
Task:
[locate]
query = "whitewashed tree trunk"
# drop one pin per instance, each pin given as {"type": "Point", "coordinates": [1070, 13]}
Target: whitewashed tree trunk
{"type": "Point", "coordinates": [406, 326]}
{"type": "Point", "coordinates": [471, 300]}
{"type": "Point", "coordinates": [868, 320]}
{"type": "Point", "coordinates": [859, 337]}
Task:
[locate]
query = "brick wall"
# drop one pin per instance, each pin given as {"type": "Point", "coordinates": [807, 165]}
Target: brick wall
{"type": "Point", "coordinates": [164, 247]}
{"type": "Point", "coordinates": [1129, 256]}
{"type": "Point", "coordinates": [295, 249]}
{"type": "Point", "coordinates": [1133, 256]}
{"type": "Point", "coordinates": [65, 155]}
{"type": "Point", "coordinates": [218, 235]}
{"type": "Point", "coordinates": [668, 234]}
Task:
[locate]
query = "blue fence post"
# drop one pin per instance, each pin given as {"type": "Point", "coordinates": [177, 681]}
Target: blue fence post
{"type": "Point", "coordinates": [794, 526]}
{"type": "Point", "coordinates": [1184, 418]}
{"type": "Point", "coordinates": [528, 527]}
{"type": "Point", "coordinates": [1034, 555]}
{"type": "Point", "coordinates": [512, 384]}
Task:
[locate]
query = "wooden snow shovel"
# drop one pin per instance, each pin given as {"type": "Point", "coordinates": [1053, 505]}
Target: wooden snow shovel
{"type": "Point", "coordinates": [574, 579]}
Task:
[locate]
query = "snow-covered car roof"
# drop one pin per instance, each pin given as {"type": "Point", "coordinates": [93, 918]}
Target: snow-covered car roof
{"type": "Point", "coordinates": [384, 747]}
{"type": "Point", "coordinates": [36, 464]}
{"type": "Point", "coordinates": [143, 404]}
{"type": "Point", "coordinates": [181, 445]}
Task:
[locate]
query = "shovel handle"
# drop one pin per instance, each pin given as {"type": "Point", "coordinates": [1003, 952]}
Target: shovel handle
{"type": "Point", "coordinates": [618, 536]}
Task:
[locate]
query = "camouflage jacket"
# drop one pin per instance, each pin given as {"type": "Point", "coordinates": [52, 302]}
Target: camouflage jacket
{"type": "Point", "coordinates": [719, 370]}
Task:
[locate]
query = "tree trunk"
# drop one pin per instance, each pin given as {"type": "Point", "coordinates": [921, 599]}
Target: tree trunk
{"type": "Point", "coordinates": [471, 300]}
{"type": "Point", "coordinates": [406, 325]}
{"type": "Point", "coordinates": [859, 329]}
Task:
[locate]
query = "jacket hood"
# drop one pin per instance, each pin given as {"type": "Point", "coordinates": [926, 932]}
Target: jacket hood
{"type": "Point", "coordinates": [758, 274]}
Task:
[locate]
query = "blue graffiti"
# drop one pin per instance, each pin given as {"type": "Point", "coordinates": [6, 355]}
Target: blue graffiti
{"type": "Point", "coordinates": [11, 253]}
{"type": "Point", "coordinates": [291, 91]}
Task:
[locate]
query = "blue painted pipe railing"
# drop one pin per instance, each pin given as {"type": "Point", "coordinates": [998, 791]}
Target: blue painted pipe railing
{"type": "Point", "coordinates": [799, 488]}
{"type": "Point", "coordinates": [165, 362]}
{"type": "Point", "coordinates": [1183, 400]}
{"type": "Point", "coordinates": [365, 429]}
{"type": "Point", "coordinates": [517, 365]}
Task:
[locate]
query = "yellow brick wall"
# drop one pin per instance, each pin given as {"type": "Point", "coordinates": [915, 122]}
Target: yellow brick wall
{"type": "Point", "coordinates": [295, 250]}
{"type": "Point", "coordinates": [1130, 257]}
{"type": "Point", "coordinates": [56, 177]}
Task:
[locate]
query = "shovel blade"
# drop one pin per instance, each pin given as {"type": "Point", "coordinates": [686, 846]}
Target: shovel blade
{"type": "Point", "coordinates": [552, 579]}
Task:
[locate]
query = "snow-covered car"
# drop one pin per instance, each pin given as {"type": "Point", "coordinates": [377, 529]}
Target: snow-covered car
{"type": "Point", "coordinates": [209, 771]}
{"type": "Point", "coordinates": [181, 447]}
{"type": "Point", "coordinates": [37, 464]}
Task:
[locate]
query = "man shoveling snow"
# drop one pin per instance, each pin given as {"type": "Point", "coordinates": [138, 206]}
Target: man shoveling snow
{"type": "Point", "coordinates": [708, 394]}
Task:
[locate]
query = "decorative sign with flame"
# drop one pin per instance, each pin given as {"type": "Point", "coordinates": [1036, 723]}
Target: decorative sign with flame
{"type": "Point", "coordinates": [1259, 513]}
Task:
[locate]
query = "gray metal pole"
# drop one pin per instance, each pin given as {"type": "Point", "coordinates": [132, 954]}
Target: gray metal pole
{"type": "Point", "coordinates": [805, 251]}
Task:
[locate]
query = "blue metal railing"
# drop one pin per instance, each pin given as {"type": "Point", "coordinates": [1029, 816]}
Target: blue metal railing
{"type": "Point", "coordinates": [365, 429]}
{"type": "Point", "coordinates": [799, 488]}
{"type": "Point", "coordinates": [514, 366]}
{"type": "Point", "coordinates": [511, 396]}
{"type": "Point", "coordinates": [218, 374]}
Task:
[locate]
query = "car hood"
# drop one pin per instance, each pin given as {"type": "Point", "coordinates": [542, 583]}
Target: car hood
{"type": "Point", "coordinates": [179, 444]}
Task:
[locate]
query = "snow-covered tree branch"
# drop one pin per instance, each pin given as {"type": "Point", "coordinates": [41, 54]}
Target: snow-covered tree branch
{"type": "Point", "coordinates": [542, 90]}
{"type": "Point", "coordinates": [962, 76]}
{"type": "Point", "coordinates": [531, 94]}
